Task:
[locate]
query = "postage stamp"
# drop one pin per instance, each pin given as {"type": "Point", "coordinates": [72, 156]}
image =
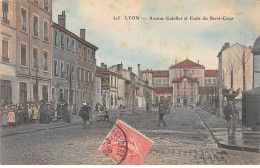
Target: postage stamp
{"type": "Point", "coordinates": [126, 145]}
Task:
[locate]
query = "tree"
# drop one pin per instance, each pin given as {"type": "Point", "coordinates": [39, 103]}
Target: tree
{"type": "Point", "coordinates": [243, 55]}
{"type": "Point", "coordinates": [232, 67]}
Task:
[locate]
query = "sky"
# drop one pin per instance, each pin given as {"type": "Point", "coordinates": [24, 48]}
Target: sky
{"type": "Point", "coordinates": [156, 44]}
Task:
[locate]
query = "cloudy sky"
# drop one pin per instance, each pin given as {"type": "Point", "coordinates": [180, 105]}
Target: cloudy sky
{"type": "Point", "coordinates": [157, 44]}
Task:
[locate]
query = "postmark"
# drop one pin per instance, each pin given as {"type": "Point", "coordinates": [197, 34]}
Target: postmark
{"type": "Point", "coordinates": [126, 145]}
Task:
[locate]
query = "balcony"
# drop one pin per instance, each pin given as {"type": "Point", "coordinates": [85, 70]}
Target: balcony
{"type": "Point", "coordinates": [5, 21]}
{"type": "Point", "coordinates": [23, 28]}
{"type": "Point", "coordinates": [6, 60]}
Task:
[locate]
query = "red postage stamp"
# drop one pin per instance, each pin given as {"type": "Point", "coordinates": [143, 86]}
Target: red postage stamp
{"type": "Point", "coordinates": [126, 145]}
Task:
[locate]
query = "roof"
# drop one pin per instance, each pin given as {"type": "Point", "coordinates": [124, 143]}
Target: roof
{"type": "Point", "coordinates": [102, 71]}
{"type": "Point", "coordinates": [162, 90]}
{"type": "Point", "coordinates": [74, 35]}
{"type": "Point", "coordinates": [207, 90]}
{"type": "Point", "coordinates": [190, 79]}
{"type": "Point", "coordinates": [160, 73]}
{"type": "Point", "coordinates": [256, 46]}
{"type": "Point", "coordinates": [147, 71]}
{"type": "Point", "coordinates": [211, 73]}
{"type": "Point", "coordinates": [187, 64]}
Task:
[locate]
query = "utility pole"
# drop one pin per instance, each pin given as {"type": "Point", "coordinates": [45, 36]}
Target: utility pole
{"type": "Point", "coordinates": [133, 90]}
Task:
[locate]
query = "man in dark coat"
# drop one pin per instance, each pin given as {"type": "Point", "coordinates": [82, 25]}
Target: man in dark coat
{"type": "Point", "coordinates": [231, 113]}
{"type": "Point", "coordinates": [162, 112]}
{"type": "Point", "coordinates": [43, 111]}
{"type": "Point", "coordinates": [84, 112]}
{"type": "Point", "coordinates": [147, 108]}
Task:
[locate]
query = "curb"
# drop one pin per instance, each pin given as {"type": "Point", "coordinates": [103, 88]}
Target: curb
{"type": "Point", "coordinates": [40, 129]}
{"type": "Point", "coordinates": [232, 147]}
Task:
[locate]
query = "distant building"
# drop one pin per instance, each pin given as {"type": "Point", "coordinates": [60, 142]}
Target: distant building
{"type": "Point", "coordinates": [256, 65]}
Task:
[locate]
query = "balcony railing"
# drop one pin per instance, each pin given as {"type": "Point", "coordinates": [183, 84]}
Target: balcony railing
{"type": "Point", "coordinates": [23, 28]}
{"type": "Point", "coordinates": [5, 21]}
{"type": "Point", "coordinates": [6, 60]}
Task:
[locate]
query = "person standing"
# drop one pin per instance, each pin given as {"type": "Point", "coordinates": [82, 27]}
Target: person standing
{"type": "Point", "coordinates": [35, 113]}
{"type": "Point", "coordinates": [84, 113]}
{"type": "Point", "coordinates": [147, 108]}
{"type": "Point", "coordinates": [162, 112]}
{"type": "Point", "coordinates": [231, 113]}
{"type": "Point", "coordinates": [4, 111]}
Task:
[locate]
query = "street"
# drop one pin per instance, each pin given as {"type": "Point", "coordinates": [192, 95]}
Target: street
{"type": "Point", "coordinates": [184, 141]}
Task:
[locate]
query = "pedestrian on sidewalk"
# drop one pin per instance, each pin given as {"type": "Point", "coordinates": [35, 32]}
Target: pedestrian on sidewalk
{"type": "Point", "coordinates": [162, 112]}
{"type": "Point", "coordinates": [147, 108]}
{"type": "Point", "coordinates": [231, 114]}
{"type": "Point", "coordinates": [4, 115]}
{"type": "Point", "coordinates": [35, 113]}
{"type": "Point", "coordinates": [84, 113]}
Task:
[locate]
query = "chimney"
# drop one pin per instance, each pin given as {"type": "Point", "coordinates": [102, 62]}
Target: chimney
{"type": "Point", "coordinates": [130, 69]}
{"type": "Point", "coordinates": [198, 61]}
{"type": "Point", "coordinates": [105, 66]}
{"type": "Point", "coordinates": [227, 45]}
{"type": "Point", "coordinates": [119, 67]}
{"type": "Point", "coordinates": [102, 65]}
{"type": "Point", "coordinates": [62, 20]}
{"type": "Point", "coordinates": [82, 33]}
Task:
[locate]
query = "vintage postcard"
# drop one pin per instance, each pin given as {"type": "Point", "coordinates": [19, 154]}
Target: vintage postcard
{"type": "Point", "coordinates": [129, 82]}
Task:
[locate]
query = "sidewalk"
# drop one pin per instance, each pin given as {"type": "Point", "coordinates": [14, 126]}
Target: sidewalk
{"type": "Point", "coordinates": [38, 127]}
{"type": "Point", "coordinates": [76, 120]}
{"type": "Point", "coordinates": [243, 140]}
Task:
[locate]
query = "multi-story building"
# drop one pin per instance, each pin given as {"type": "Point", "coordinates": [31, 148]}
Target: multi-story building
{"type": "Point", "coordinates": [34, 49]}
{"type": "Point", "coordinates": [8, 50]}
{"type": "Point", "coordinates": [109, 86]}
{"type": "Point", "coordinates": [256, 67]}
{"type": "Point", "coordinates": [180, 84]}
{"type": "Point", "coordinates": [65, 63]}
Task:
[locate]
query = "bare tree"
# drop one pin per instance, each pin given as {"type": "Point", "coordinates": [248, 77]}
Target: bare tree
{"type": "Point", "coordinates": [243, 55]}
{"type": "Point", "coordinates": [232, 67]}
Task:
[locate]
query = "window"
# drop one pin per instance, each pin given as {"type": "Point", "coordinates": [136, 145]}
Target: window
{"type": "Point", "coordinates": [214, 81]}
{"type": "Point", "coordinates": [45, 30]}
{"type": "Point", "coordinates": [5, 51]}
{"type": "Point", "coordinates": [191, 85]}
{"type": "Point", "coordinates": [35, 58]}
{"type": "Point", "coordinates": [193, 72]}
{"type": "Point", "coordinates": [23, 26]}
{"type": "Point", "coordinates": [68, 44]}
{"type": "Point", "coordinates": [178, 100]}
{"type": "Point", "coordinates": [84, 52]}
{"type": "Point", "coordinates": [55, 67]}
{"type": "Point", "coordinates": [73, 46]}
{"type": "Point", "coordinates": [112, 100]}
{"type": "Point", "coordinates": [115, 100]}
{"type": "Point", "coordinates": [61, 93]}
{"type": "Point", "coordinates": [72, 72]}
{"type": "Point", "coordinates": [164, 81]}
{"type": "Point", "coordinates": [86, 76]}
{"type": "Point", "coordinates": [5, 91]}
{"type": "Point", "coordinates": [205, 81]}
{"type": "Point", "coordinates": [23, 54]}
{"type": "Point", "coordinates": [23, 92]}
{"type": "Point", "coordinates": [56, 38]}
{"type": "Point", "coordinates": [159, 81]}
{"type": "Point", "coordinates": [45, 61]}
{"type": "Point", "coordinates": [209, 81]}
{"type": "Point", "coordinates": [66, 95]}
{"type": "Point", "coordinates": [80, 51]}
{"type": "Point", "coordinates": [35, 26]}
{"type": "Point", "coordinates": [82, 75]}
{"type": "Point", "coordinates": [167, 81]}
{"type": "Point", "coordinates": [62, 69]}
{"type": "Point", "coordinates": [88, 54]}
{"type": "Point", "coordinates": [184, 93]}
{"type": "Point", "coordinates": [79, 76]}
{"type": "Point", "coordinates": [184, 85]}
{"type": "Point", "coordinates": [191, 92]}
{"type": "Point", "coordinates": [46, 5]}
{"type": "Point", "coordinates": [91, 78]}
{"type": "Point", "coordinates": [62, 41]}
{"type": "Point", "coordinates": [180, 73]}
{"type": "Point", "coordinates": [68, 70]}
{"type": "Point", "coordinates": [178, 86]}
{"type": "Point", "coordinates": [178, 93]}
{"type": "Point", "coordinates": [35, 92]}
{"type": "Point", "coordinates": [5, 13]}
{"type": "Point", "coordinates": [191, 100]}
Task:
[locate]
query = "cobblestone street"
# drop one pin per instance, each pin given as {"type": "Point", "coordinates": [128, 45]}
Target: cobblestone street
{"type": "Point", "coordinates": [184, 141]}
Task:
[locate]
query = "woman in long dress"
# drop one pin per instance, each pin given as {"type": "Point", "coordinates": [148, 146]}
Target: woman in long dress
{"type": "Point", "coordinates": [4, 116]}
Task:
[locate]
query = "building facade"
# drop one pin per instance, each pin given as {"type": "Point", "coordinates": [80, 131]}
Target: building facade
{"type": "Point", "coordinates": [64, 62]}
{"type": "Point", "coordinates": [256, 67]}
{"type": "Point", "coordinates": [34, 50]}
{"type": "Point", "coordinates": [8, 52]}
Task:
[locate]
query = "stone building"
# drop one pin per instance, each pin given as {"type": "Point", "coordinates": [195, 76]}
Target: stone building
{"type": "Point", "coordinates": [8, 85]}
{"type": "Point", "coordinates": [256, 65]}
{"type": "Point", "coordinates": [65, 63]}
{"type": "Point", "coordinates": [109, 87]}
{"type": "Point", "coordinates": [34, 50]}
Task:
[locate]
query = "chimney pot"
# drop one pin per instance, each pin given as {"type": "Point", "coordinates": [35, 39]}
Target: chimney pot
{"type": "Point", "coordinates": [130, 69]}
{"type": "Point", "coordinates": [62, 20]}
{"type": "Point", "coordinates": [82, 34]}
